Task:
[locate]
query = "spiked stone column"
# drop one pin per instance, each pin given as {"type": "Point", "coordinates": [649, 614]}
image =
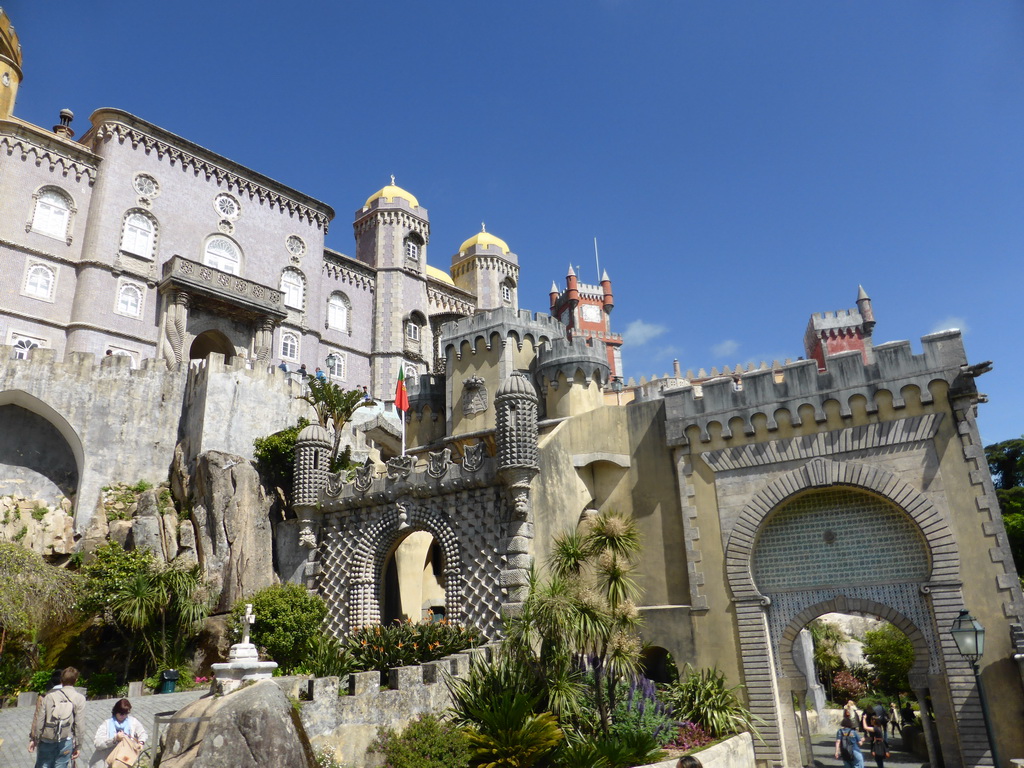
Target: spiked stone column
{"type": "Point", "coordinates": [516, 411]}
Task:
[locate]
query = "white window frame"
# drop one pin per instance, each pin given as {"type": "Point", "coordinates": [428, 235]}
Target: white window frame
{"type": "Point", "coordinates": [31, 289]}
{"type": "Point", "coordinates": [412, 250]}
{"type": "Point", "coordinates": [229, 200]}
{"type": "Point", "coordinates": [122, 289]}
{"type": "Point", "coordinates": [412, 330]}
{"type": "Point", "coordinates": [506, 293]}
{"type": "Point", "coordinates": [410, 372]}
{"type": "Point", "coordinates": [338, 302]}
{"type": "Point", "coordinates": [217, 259]}
{"type": "Point", "coordinates": [134, 239]}
{"type": "Point", "coordinates": [293, 289]}
{"type": "Point", "coordinates": [290, 343]}
{"type": "Point", "coordinates": [23, 343]}
{"type": "Point", "coordinates": [338, 371]}
{"type": "Point", "coordinates": [51, 214]}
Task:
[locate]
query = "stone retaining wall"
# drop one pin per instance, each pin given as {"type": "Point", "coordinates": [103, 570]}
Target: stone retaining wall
{"type": "Point", "coordinates": [737, 752]}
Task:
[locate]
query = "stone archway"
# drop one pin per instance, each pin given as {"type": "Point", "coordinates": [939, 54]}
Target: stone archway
{"type": "Point", "coordinates": [53, 452]}
{"type": "Point", "coordinates": [380, 540]}
{"type": "Point", "coordinates": [933, 600]}
{"type": "Point", "coordinates": [211, 341]}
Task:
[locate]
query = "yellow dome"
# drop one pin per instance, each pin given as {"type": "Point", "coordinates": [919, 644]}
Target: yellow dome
{"type": "Point", "coordinates": [390, 192]}
{"type": "Point", "coordinates": [483, 239]}
{"type": "Point", "coordinates": [440, 275]}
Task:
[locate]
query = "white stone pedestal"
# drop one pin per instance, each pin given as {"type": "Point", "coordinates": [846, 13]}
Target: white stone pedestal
{"type": "Point", "coordinates": [244, 664]}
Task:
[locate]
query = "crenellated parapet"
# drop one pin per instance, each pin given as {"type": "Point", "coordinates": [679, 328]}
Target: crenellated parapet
{"type": "Point", "coordinates": [796, 387]}
{"type": "Point", "coordinates": [426, 391]}
{"type": "Point", "coordinates": [477, 333]}
{"type": "Point", "coordinates": [564, 359]}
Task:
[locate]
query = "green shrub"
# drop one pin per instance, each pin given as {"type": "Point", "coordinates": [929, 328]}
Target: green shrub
{"type": "Point", "coordinates": [142, 486]}
{"type": "Point", "coordinates": [275, 456]}
{"type": "Point", "coordinates": [40, 681]}
{"type": "Point", "coordinates": [404, 644]}
{"type": "Point", "coordinates": [639, 710]}
{"type": "Point", "coordinates": [102, 685]}
{"type": "Point", "coordinates": [111, 566]}
{"type": "Point", "coordinates": [703, 698]}
{"type": "Point", "coordinates": [326, 656]}
{"type": "Point", "coordinates": [40, 511]}
{"type": "Point", "coordinates": [287, 619]}
{"type": "Point", "coordinates": [427, 742]}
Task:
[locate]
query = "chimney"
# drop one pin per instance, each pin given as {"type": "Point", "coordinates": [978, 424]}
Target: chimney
{"type": "Point", "coordinates": [64, 129]}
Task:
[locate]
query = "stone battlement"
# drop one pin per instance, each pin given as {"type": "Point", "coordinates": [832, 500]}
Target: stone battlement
{"type": "Point", "coordinates": [569, 357]}
{"type": "Point", "coordinates": [767, 391]}
{"type": "Point", "coordinates": [505, 323]}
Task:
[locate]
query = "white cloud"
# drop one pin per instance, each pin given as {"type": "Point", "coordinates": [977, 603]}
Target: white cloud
{"type": "Point", "coordinates": [638, 332]}
{"type": "Point", "coordinates": [725, 348]}
{"type": "Point", "coordinates": [950, 322]}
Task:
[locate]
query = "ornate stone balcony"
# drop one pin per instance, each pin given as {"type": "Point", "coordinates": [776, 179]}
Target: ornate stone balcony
{"type": "Point", "coordinates": [228, 293]}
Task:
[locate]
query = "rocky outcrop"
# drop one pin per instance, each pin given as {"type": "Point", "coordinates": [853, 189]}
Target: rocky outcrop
{"type": "Point", "coordinates": [36, 526]}
{"type": "Point", "coordinates": [231, 518]}
{"type": "Point", "coordinates": [254, 727]}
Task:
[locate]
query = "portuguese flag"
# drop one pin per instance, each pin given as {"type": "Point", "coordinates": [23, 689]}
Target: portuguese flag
{"type": "Point", "coordinates": [401, 396]}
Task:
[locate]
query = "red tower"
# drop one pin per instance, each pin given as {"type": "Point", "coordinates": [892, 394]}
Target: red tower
{"type": "Point", "coordinates": [845, 330]}
{"type": "Point", "coordinates": [585, 310]}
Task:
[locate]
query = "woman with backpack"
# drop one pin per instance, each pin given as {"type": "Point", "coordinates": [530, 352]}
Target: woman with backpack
{"type": "Point", "coordinates": [848, 745]}
{"type": "Point", "coordinates": [876, 738]}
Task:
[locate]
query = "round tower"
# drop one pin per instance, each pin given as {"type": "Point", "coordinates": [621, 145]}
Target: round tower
{"type": "Point", "coordinates": [10, 66]}
{"type": "Point", "coordinates": [487, 268]}
{"type": "Point", "coordinates": [312, 465]}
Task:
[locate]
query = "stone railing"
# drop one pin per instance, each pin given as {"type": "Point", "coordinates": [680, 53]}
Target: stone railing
{"type": "Point", "coordinates": [343, 714]}
{"type": "Point", "coordinates": [192, 276]}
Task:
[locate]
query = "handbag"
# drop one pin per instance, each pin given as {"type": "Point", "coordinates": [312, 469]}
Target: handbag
{"type": "Point", "coordinates": [124, 754]}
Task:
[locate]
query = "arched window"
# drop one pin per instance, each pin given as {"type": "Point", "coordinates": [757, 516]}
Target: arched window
{"type": "Point", "coordinates": [337, 365]}
{"type": "Point", "coordinates": [293, 288]}
{"type": "Point", "coordinates": [52, 213]}
{"type": "Point", "coordinates": [221, 253]}
{"type": "Point", "coordinates": [22, 345]}
{"type": "Point", "coordinates": [338, 312]}
{"type": "Point", "coordinates": [39, 282]}
{"type": "Point", "coordinates": [139, 235]}
{"type": "Point", "coordinates": [129, 300]}
{"type": "Point", "coordinates": [289, 346]}
{"type": "Point", "coordinates": [413, 248]}
{"type": "Point", "coordinates": [506, 293]}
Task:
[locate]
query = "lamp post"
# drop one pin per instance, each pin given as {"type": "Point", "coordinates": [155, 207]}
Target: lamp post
{"type": "Point", "coordinates": [969, 636]}
{"type": "Point", "coordinates": [332, 359]}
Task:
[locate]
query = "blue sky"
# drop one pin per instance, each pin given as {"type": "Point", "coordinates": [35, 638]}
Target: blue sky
{"type": "Point", "coordinates": [742, 164]}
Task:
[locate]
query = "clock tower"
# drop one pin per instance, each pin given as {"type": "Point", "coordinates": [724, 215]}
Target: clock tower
{"type": "Point", "coordinates": [585, 310]}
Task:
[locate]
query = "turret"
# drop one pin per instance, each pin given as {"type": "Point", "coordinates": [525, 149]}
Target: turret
{"type": "Point", "coordinates": [606, 286]}
{"type": "Point", "coordinates": [553, 296]}
{"type": "Point", "coordinates": [10, 66]}
{"type": "Point", "coordinates": [864, 306]}
{"type": "Point", "coordinates": [845, 330]}
{"type": "Point", "coordinates": [572, 292]}
{"type": "Point", "coordinates": [486, 267]}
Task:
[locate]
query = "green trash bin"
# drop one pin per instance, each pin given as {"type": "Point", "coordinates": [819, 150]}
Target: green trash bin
{"type": "Point", "coordinates": [168, 681]}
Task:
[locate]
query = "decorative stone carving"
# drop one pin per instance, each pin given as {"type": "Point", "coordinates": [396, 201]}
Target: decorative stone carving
{"type": "Point", "coordinates": [474, 395]}
{"type": "Point", "coordinates": [473, 457]}
{"type": "Point", "coordinates": [364, 476]}
{"type": "Point", "coordinates": [438, 463]}
{"type": "Point", "coordinates": [399, 467]}
{"type": "Point", "coordinates": [175, 322]}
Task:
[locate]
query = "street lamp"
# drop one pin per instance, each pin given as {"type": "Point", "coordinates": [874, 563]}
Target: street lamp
{"type": "Point", "coordinates": [332, 360]}
{"type": "Point", "coordinates": [969, 636]}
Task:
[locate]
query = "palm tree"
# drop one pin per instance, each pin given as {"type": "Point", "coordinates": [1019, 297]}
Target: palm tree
{"type": "Point", "coordinates": [827, 638]}
{"type": "Point", "coordinates": [334, 406]}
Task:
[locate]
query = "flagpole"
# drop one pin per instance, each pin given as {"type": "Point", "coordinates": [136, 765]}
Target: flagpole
{"type": "Point", "coordinates": [403, 432]}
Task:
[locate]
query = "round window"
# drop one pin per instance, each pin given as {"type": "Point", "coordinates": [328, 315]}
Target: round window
{"type": "Point", "coordinates": [227, 207]}
{"type": "Point", "coordinates": [146, 185]}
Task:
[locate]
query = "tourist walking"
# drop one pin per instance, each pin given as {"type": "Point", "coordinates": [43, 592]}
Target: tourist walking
{"type": "Point", "coordinates": [120, 732]}
{"type": "Point", "coordinates": [57, 734]}
{"type": "Point", "coordinates": [894, 717]}
{"type": "Point", "coordinates": [876, 738]}
{"type": "Point", "coordinates": [848, 743]}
